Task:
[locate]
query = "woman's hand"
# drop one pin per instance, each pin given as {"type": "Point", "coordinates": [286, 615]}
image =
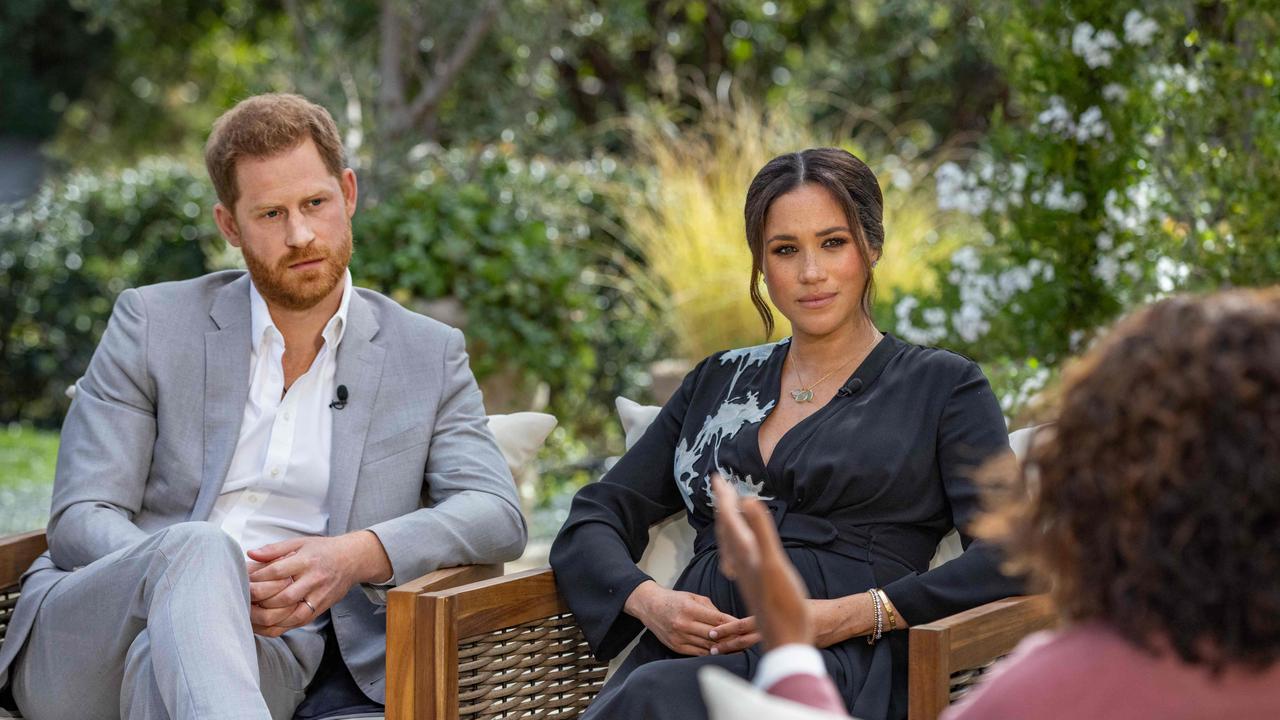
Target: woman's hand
{"type": "Point", "coordinates": [751, 555]}
{"type": "Point", "coordinates": [680, 620]}
{"type": "Point", "coordinates": [834, 621]}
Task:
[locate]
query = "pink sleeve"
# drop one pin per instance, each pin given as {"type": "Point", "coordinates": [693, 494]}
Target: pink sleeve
{"type": "Point", "coordinates": [816, 691]}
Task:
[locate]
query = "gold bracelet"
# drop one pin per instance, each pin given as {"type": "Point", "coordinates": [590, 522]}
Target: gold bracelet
{"type": "Point", "coordinates": [888, 609]}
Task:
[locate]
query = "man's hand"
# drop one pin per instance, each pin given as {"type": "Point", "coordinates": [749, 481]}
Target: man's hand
{"type": "Point", "coordinates": [751, 555]}
{"type": "Point", "coordinates": [301, 578]}
{"type": "Point", "coordinates": [680, 620]}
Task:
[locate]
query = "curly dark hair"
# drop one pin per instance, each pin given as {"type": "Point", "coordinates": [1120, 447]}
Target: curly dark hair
{"type": "Point", "coordinates": [1153, 503]}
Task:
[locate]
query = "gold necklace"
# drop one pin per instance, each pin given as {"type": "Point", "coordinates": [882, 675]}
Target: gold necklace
{"type": "Point", "coordinates": [805, 394]}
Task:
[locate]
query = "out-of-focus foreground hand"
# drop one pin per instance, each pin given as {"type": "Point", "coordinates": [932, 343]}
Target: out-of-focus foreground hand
{"type": "Point", "coordinates": [751, 555]}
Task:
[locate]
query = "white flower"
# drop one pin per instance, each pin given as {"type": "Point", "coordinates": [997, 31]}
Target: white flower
{"type": "Point", "coordinates": [958, 190]}
{"type": "Point", "coordinates": [1091, 125]}
{"type": "Point", "coordinates": [969, 323]}
{"type": "Point", "coordinates": [1114, 92]}
{"type": "Point", "coordinates": [1106, 269]}
{"type": "Point", "coordinates": [1056, 198]}
{"type": "Point", "coordinates": [1139, 29]}
{"type": "Point", "coordinates": [1056, 118]}
{"type": "Point", "coordinates": [1104, 241]}
{"type": "Point", "coordinates": [1018, 173]}
{"type": "Point", "coordinates": [908, 331]}
{"type": "Point", "coordinates": [966, 258]}
{"type": "Point", "coordinates": [935, 316]}
{"type": "Point", "coordinates": [1094, 46]}
{"type": "Point", "coordinates": [1170, 274]}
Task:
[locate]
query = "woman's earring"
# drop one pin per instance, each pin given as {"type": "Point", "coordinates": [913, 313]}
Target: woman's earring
{"type": "Point", "coordinates": [875, 262]}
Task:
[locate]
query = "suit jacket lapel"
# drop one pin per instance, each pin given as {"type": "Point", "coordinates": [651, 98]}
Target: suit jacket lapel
{"type": "Point", "coordinates": [360, 369]}
{"type": "Point", "coordinates": [226, 388]}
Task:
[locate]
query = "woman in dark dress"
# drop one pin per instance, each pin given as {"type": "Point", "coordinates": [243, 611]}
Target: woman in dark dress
{"type": "Point", "coordinates": [860, 444]}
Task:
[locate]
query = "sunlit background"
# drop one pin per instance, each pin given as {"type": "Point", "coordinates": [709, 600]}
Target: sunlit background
{"type": "Point", "coordinates": [564, 178]}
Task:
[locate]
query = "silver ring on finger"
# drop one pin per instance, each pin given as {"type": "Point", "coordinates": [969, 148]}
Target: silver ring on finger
{"type": "Point", "coordinates": [308, 602]}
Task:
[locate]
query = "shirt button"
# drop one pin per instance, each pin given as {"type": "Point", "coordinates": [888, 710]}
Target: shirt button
{"type": "Point", "coordinates": [288, 416]}
{"type": "Point", "coordinates": [275, 472]}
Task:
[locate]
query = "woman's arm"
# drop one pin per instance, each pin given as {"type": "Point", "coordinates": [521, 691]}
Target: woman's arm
{"type": "Point", "coordinates": [971, 431]}
{"type": "Point", "coordinates": [607, 530]}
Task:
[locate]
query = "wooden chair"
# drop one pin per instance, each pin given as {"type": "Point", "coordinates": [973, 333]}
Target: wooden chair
{"type": "Point", "coordinates": [17, 552]}
{"type": "Point", "coordinates": [509, 647]}
{"type": "Point", "coordinates": [466, 644]}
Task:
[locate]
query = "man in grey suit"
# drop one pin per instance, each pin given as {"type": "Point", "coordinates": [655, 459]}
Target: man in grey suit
{"type": "Point", "coordinates": [248, 456]}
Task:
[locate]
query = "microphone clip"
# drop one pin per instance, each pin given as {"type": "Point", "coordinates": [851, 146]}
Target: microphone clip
{"type": "Point", "coordinates": [341, 402]}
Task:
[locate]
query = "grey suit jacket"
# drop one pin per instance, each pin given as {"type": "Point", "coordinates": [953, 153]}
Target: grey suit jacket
{"type": "Point", "coordinates": [150, 435]}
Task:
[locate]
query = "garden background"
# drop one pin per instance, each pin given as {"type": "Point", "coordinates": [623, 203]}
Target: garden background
{"type": "Point", "coordinates": [564, 178]}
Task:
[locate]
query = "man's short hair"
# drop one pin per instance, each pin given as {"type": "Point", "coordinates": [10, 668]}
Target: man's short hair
{"type": "Point", "coordinates": [263, 126]}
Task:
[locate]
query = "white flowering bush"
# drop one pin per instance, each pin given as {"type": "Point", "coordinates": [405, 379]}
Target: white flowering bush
{"type": "Point", "coordinates": [1137, 156]}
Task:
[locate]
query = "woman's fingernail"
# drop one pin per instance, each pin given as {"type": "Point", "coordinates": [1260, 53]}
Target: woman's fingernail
{"type": "Point", "coordinates": [715, 651]}
{"type": "Point", "coordinates": [712, 635]}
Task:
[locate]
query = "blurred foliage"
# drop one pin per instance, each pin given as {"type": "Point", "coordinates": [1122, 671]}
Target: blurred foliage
{"type": "Point", "coordinates": [528, 247]}
{"type": "Point", "coordinates": [27, 461]}
{"type": "Point", "coordinates": [67, 252]}
{"type": "Point", "coordinates": [47, 56]}
{"type": "Point", "coordinates": [1137, 158]}
{"type": "Point", "coordinates": [558, 75]}
{"type": "Point", "coordinates": [1108, 154]}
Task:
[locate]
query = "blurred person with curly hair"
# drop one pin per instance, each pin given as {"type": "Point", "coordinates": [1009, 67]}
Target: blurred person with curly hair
{"type": "Point", "coordinates": [1151, 511]}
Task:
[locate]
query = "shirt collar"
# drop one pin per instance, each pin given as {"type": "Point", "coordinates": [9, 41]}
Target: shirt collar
{"type": "Point", "coordinates": [260, 316]}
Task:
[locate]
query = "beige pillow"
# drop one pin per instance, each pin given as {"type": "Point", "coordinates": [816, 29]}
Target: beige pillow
{"type": "Point", "coordinates": [520, 436]}
{"type": "Point", "coordinates": [671, 540]}
{"type": "Point", "coordinates": [729, 697]}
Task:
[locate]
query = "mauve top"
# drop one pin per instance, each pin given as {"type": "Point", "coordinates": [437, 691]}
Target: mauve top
{"type": "Point", "coordinates": [861, 491]}
{"type": "Point", "coordinates": [1090, 671]}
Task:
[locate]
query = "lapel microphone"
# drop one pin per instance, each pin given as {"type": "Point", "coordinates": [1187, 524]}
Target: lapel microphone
{"type": "Point", "coordinates": [851, 388]}
{"type": "Point", "coordinates": [341, 402]}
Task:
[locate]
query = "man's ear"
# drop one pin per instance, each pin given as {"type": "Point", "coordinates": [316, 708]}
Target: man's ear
{"type": "Point", "coordinates": [350, 190]}
{"type": "Point", "coordinates": [227, 224]}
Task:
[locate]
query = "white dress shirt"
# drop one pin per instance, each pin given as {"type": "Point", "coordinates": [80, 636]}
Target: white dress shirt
{"type": "Point", "coordinates": [279, 476]}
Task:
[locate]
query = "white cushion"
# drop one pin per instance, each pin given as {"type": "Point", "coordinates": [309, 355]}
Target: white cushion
{"type": "Point", "coordinates": [520, 436]}
{"type": "Point", "coordinates": [671, 540]}
{"type": "Point", "coordinates": [635, 418]}
{"type": "Point", "coordinates": [729, 697]}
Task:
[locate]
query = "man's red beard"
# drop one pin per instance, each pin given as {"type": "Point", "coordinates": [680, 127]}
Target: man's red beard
{"type": "Point", "coordinates": [299, 289]}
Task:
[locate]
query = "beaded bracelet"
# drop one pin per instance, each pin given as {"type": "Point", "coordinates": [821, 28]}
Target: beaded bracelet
{"type": "Point", "coordinates": [879, 617]}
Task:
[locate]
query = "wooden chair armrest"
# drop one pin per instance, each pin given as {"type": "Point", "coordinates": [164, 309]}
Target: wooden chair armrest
{"type": "Point", "coordinates": [17, 552]}
{"type": "Point", "coordinates": [967, 640]}
{"type": "Point", "coordinates": [445, 578]}
{"type": "Point", "coordinates": [427, 688]}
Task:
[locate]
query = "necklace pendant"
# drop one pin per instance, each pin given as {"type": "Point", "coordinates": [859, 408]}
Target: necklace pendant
{"type": "Point", "coordinates": [802, 395]}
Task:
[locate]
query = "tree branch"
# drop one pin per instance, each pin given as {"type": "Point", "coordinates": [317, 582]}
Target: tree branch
{"type": "Point", "coordinates": [447, 71]}
{"type": "Point", "coordinates": [391, 97]}
{"type": "Point", "coordinates": [299, 30]}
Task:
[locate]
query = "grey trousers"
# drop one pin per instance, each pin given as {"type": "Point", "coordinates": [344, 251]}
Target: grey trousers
{"type": "Point", "coordinates": [160, 630]}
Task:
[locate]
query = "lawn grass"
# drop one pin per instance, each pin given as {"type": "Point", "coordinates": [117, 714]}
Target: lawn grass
{"type": "Point", "coordinates": [27, 460]}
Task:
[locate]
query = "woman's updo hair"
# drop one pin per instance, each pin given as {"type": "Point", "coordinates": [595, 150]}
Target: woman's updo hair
{"type": "Point", "coordinates": [1153, 504]}
{"type": "Point", "coordinates": [849, 181]}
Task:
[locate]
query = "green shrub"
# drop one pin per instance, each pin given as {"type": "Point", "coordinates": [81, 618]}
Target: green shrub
{"type": "Point", "coordinates": [1138, 157]}
{"type": "Point", "coordinates": [27, 460]}
{"type": "Point", "coordinates": [526, 247]}
{"type": "Point", "coordinates": [67, 252]}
